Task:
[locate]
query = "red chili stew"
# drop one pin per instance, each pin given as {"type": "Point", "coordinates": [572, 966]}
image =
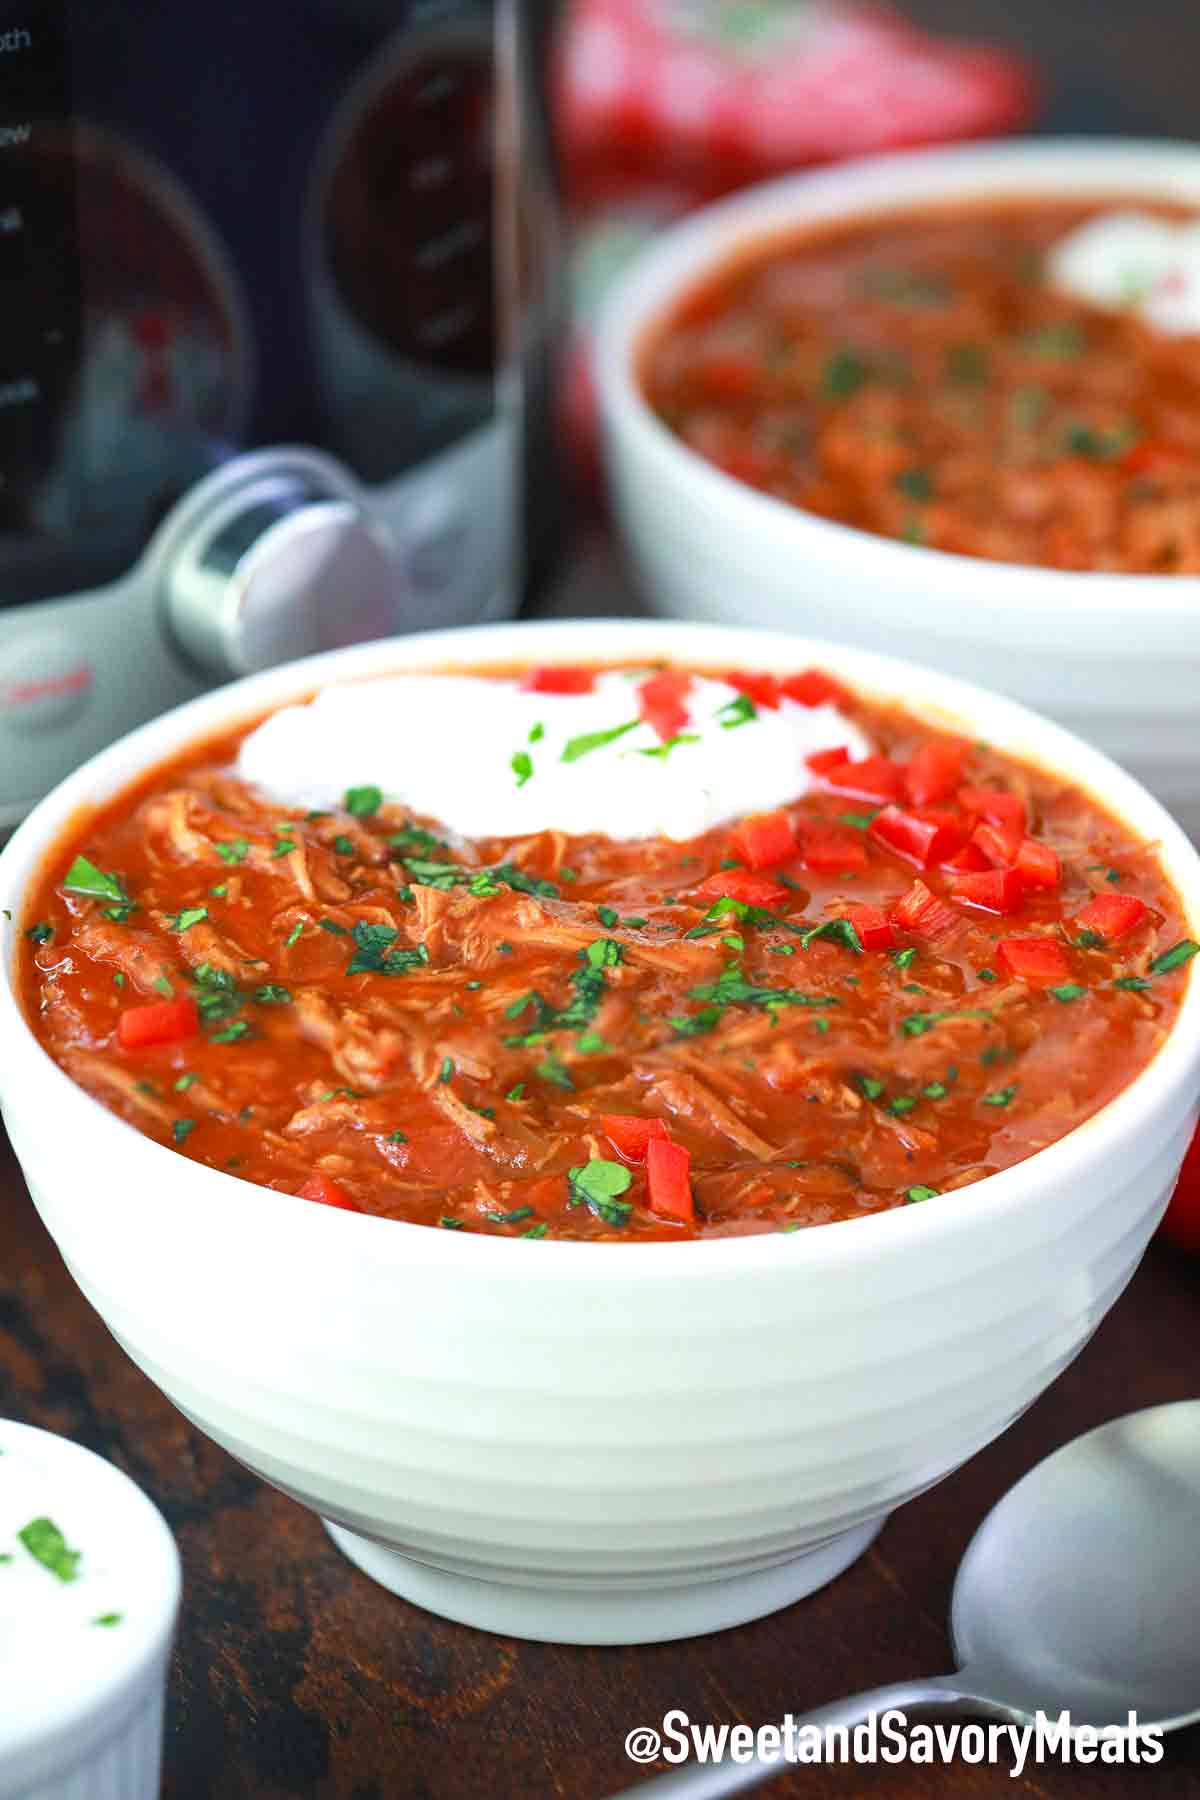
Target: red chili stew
{"type": "Point", "coordinates": [932, 965]}
{"type": "Point", "coordinates": [917, 376]}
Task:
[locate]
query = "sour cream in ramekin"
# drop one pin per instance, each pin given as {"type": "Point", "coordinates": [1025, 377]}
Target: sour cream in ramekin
{"type": "Point", "coordinates": [528, 761]}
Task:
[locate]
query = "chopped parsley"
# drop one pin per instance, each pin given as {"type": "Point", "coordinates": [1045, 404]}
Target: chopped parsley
{"type": "Point", "coordinates": [272, 995]}
{"type": "Point", "coordinates": [283, 846]}
{"type": "Point", "coordinates": [608, 916]}
{"type": "Point", "coordinates": [446, 1071]}
{"type": "Point", "coordinates": [344, 846]}
{"type": "Point", "coordinates": [576, 747]}
{"type": "Point", "coordinates": [914, 1194]}
{"type": "Point", "coordinates": [598, 1185]}
{"type": "Point", "coordinates": [448, 1223]}
{"type": "Point", "coordinates": [363, 801]}
{"type": "Point", "coordinates": [415, 837]}
{"type": "Point", "coordinates": [555, 1071]}
{"type": "Point", "coordinates": [191, 915]}
{"type": "Point", "coordinates": [83, 877]}
{"type": "Point", "coordinates": [662, 751]}
{"type": "Point", "coordinates": [235, 851]}
{"type": "Point", "coordinates": [1001, 1097]}
{"type": "Point", "coordinates": [515, 1093]}
{"type": "Point", "coordinates": [903, 958]}
{"type": "Point", "coordinates": [603, 953]}
{"type": "Point", "coordinates": [917, 1024]}
{"type": "Point", "coordinates": [521, 764]}
{"type": "Point", "coordinates": [47, 1545]}
{"type": "Point", "coordinates": [522, 883]}
{"type": "Point", "coordinates": [917, 484]}
{"type": "Point", "coordinates": [184, 1082]}
{"type": "Point", "coordinates": [844, 373]}
{"type": "Point", "coordinates": [903, 1103]}
{"type": "Point", "coordinates": [1175, 957]}
{"type": "Point", "coordinates": [1132, 984]}
{"type": "Point", "coordinates": [483, 885]}
{"type": "Point", "coordinates": [741, 710]}
{"type": "Point", "coordinates": [108, 1618]}
{"type": "Point", "coordinates": [536, 733]}
{"type": "Point", "coordinates": [732, 989]}
{"type": "Point", "coordinates": [182, 1129]}
{"type": "Point", "coordinates": [216, 992]}
{"type": "Point", "coordinates": [294, 934]}
{"type": "Point", "coordinates": [510, 1218]}
{"type": "Point", "coordinates": [40, 933]}
{"type": "Point", "coordinates": [373, 955]}
{"type": "Point", "coordinates": [230, 1034]}
{"type": "Point", "coordinates": [859, 820]}
{"type": "Point", "coordinates": [1070, 990]}
{"type": "Point", "coordinates": [397, 1137]}
{"type": "Point", "coordinates": [840, 930]}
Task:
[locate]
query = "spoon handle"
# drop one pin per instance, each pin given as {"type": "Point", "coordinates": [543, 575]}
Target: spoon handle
{"type": "Point", "coordinates": [941, 1694]}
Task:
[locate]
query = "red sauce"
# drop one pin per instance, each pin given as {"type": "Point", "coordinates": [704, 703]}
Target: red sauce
{"type": "Point", "coordinates": [936, 963]}
{"type": "Point", "coordinates": [917, 376]}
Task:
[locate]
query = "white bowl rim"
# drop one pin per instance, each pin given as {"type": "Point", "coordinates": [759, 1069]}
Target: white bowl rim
{"type": "Point", "coordinates": [1174, 1070]}
{"type": "Point", "coordinates": [706, 241]}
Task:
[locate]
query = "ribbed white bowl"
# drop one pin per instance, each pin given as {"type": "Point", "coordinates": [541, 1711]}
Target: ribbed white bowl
{"type": "Point", "coordinates": [1114, 657]}
{"type": "Point", "coordinates": [595, 1442]}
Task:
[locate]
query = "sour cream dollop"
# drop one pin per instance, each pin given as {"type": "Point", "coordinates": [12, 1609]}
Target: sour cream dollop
{"type": "Point", "coordinates": [1136, 263]}
{"type": "Point", "coordinates": [488, 758]}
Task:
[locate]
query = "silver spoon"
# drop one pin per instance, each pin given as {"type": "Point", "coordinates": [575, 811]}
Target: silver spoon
{"type": "Point", "coordinates": [1080, 1592]}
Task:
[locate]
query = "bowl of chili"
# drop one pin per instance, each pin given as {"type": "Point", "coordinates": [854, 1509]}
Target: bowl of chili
{"type": "Point", "coordinates": [654, 1348]}
{"type": "Point", "coordinates": [875, 403]}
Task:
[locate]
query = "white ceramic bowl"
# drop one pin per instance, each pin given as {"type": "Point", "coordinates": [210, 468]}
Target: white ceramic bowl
{"type": "Point", "coordinates": [1114, 657]}
{"type": "Point", "coordinates": [82, 1715]}
{"type": "Point", "coordinates": [585, 1442]}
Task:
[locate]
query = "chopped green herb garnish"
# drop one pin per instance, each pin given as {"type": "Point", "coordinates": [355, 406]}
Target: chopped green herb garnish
{"type": "Point", "coordinates": [920, 1193]}
{"type": "Point", "coordinates": [363, 801]}
{"type": "Point", "coordinates": [235, 851]}
{"type": "Point", "coordinates": [536, 1231]}
{"type": "Point", "coordinates": [372, 955]}
{"type": "Point", "coordinates": [397, 1137]}
{"type": "Point", "coordinates": [163, 986]}
{"type": "Point", "coordinates": [590, 1043]}
{"type": "Point", "coordinates": [917, 484]}
{"type": "Point", "coordinates": [108, 1618]}
{"type": "Point", "coordinates": [294, 934]}
{"type": "Point", "coordinates": [344, 846]}
{"type": "Point", "coordinates": [1133, 984]}
{"type": "Point", "coordinates": [739, 711]}
{"type": "Point", "coordinates": [184, 1082]}
{"type": "Point", "coordinates": [840, 930]}
{"type": "Point", "coordinates": [1089, 940]}
{"type": "Point", "coordinates": [483, 885]}
{"type": "Point", "coordinates": [522, 883]}
{"type": "Point", "coordinates": [903, 958]}
{"type": "Point", "coordinates": [870, 1086]}
{"type": "Point", "coordinates": [47, 1545]}
{"type": "Point", "coordinates": [182, 1129]}
{"type": "Point", "coordinates": [986, 974]}
{"type": "Point", "coordinates": [118, 980]}
{"type": "Point", "coordinates": [536, 733]}
{"type": "Point", "coordinates": [576, 747]}
{"type": "Point", "coordinates": [510, 1218]}
{"type": "Point", "coordinates": [191, 915]}
{"type": "Point", "coordinates": [935, 1090]}
{"type": "Point", "coordinates": [230, 1034]}
{"type": "Point", "coordinates": [633, 924]}
{"type": "Point", "coordinates": [555, 1071]}
{"type": "Point", "coordinates": [332, 926]}
{"type": "Point", "coordinates": [40, 933]}
{"type": "Point", "coordinates": [917, 1024]}
{"type": "Point", "coordinates": [83, 877]}
{"type": "Point", "coordinates": [415, 837]}
{"type": "Point", "coordinates": [1070, 990]}
{"type": "Point", "coordinates": [515, 1093]}
{"type": "Point", "coordinates": [1001, 1097]}
{"type": "Point", "coordinates": [903, 1103]}
{"type": "Point", "coordinates": [448, 1223]}
{"type": "Point", "coordinates": [521, 764]}
{"type": "Point", "coordinates": [283, 846]}
{"type": "Point", "coordinates": [598, 1185]}
{"type": "Point", "coordinates": [859, 820]}
{"type": "Point", "coordinates": [662, 751]}
{"type": "Point", "coordinates": [1175, 957]}
{"type": "Point", "coordinates": [219, 892]}
{"type": "Point", "coordinates": [272, 995]}
{"type": "Point", "coordinates": [608, 916]}
{"type": "Point", "coordinates": [844, 373]}
{"type": "Point", "coordinates": [446, 1071]}
{"type": "Point", "coordinates": [603, 953]}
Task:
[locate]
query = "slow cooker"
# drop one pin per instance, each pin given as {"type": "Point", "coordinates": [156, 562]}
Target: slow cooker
{"type": "Point", "coordinates": [280, 300]}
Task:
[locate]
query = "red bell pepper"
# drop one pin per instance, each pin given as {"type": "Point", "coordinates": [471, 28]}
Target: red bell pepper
{"type": "Point", "coordinates": [764, 840]}
{"type": "Point", "coordinates": [992, 891]}
{"type": "Point", "coordinates": [996, 805]}
{"type": "Point", "coordinates": [934, 772]}
{"type": "Point", "coordinates": [631, 1135]}
{"type": "Point", "coordinates": [556, 679]}
{"type": "Point", "coordinates": [757, 685]}
{"type": "Point", "coordinates": [922, 913]}
{"type": "Point", "coordinates": [874, 928]}
{"type": "Point", "coordinates": [825, 850]}
{"type": "Point", "coordinates": [1000, 845]}
{"type": "Point", "coordinates": [821, 761]}
{"type": "Point", "coordinates": [1038, 865]}
{"type": "Point", "coordinates": [162, 1022]}
{"type": "Point", "coordinates": [660, 701]}
{"type": "Point", "coordinates": [740, 884]}
{"type": "Point", "coordinates": [918, 840]}
{"type": "Point", "coordinates": [812, 687]}
{"type": "Point", "coordinates": [668, 1180]}
{"type": "Point", "coordinates": [328, 1193]}
{"type": "Point", "coordinates": [1112, 915]}
{"type": "Point", "coordinates": [874, 778]}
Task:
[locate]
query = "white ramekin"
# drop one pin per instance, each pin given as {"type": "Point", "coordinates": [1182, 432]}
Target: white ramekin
{"type": "Point", "coordinates": [84, 1720]}
{"type": "Point", "coordinates": [582, 1442]}
{"type": "Point", "coordinates": [1113, 657]}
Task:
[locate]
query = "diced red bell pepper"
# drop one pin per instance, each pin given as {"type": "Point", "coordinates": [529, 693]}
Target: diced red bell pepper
{"type": "Point", "coordinates": [917, 839]}
{"type": "Point", "coordinates": [325, 1192]}
{"type": "Point", "coordinates": [967, 861]}
{"type": "Point", "coordinates": [992, 891]}
{"type": "Point", "coordinates": [631, 1134]}
{"type": "Point", "coordinates": [813, 687]}
{"type": "Point", "coordinates": [821, 761]}
{"type": "Point", "coordinates": [660, 701]}
{"type": "Point", "coordinates": [757, 685]}
{"type": "Point", "coordinates": [874, 778]}
{"type": "Point", "coordinates": [874, 928]}
{"type": "Point", "coordinates": [996, 805]}
{"type": "Point", "coordinates": [764, 840]}
{"type": "Point", "coordinates": [556, 679]}
{"type": "Point", "coordinates": [922, 913]}
{"type": "Point", "coordinates": [728, 374]}
{"type": "Point", "coordinates": [162, 1022]}
{"type": "Point", "coordinates": [1041, 961]}
{"type": "Point", "coordinates": [740, 884]}
{"type": "Point", "coordinates": [668, 1180]}
{"type": "Point", "coordinates": [1037, 864]}
{"type": "Point", "coordinates": [1155, 456]}
{"type": "Point", "coordinates": [1112, 915]}
{"type": "Point", "coordinates": [826, 850]}
{"type": "Point", "coordinates": [1000, 845]}
{"type": "Point", "coordinates": [934, 772]}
